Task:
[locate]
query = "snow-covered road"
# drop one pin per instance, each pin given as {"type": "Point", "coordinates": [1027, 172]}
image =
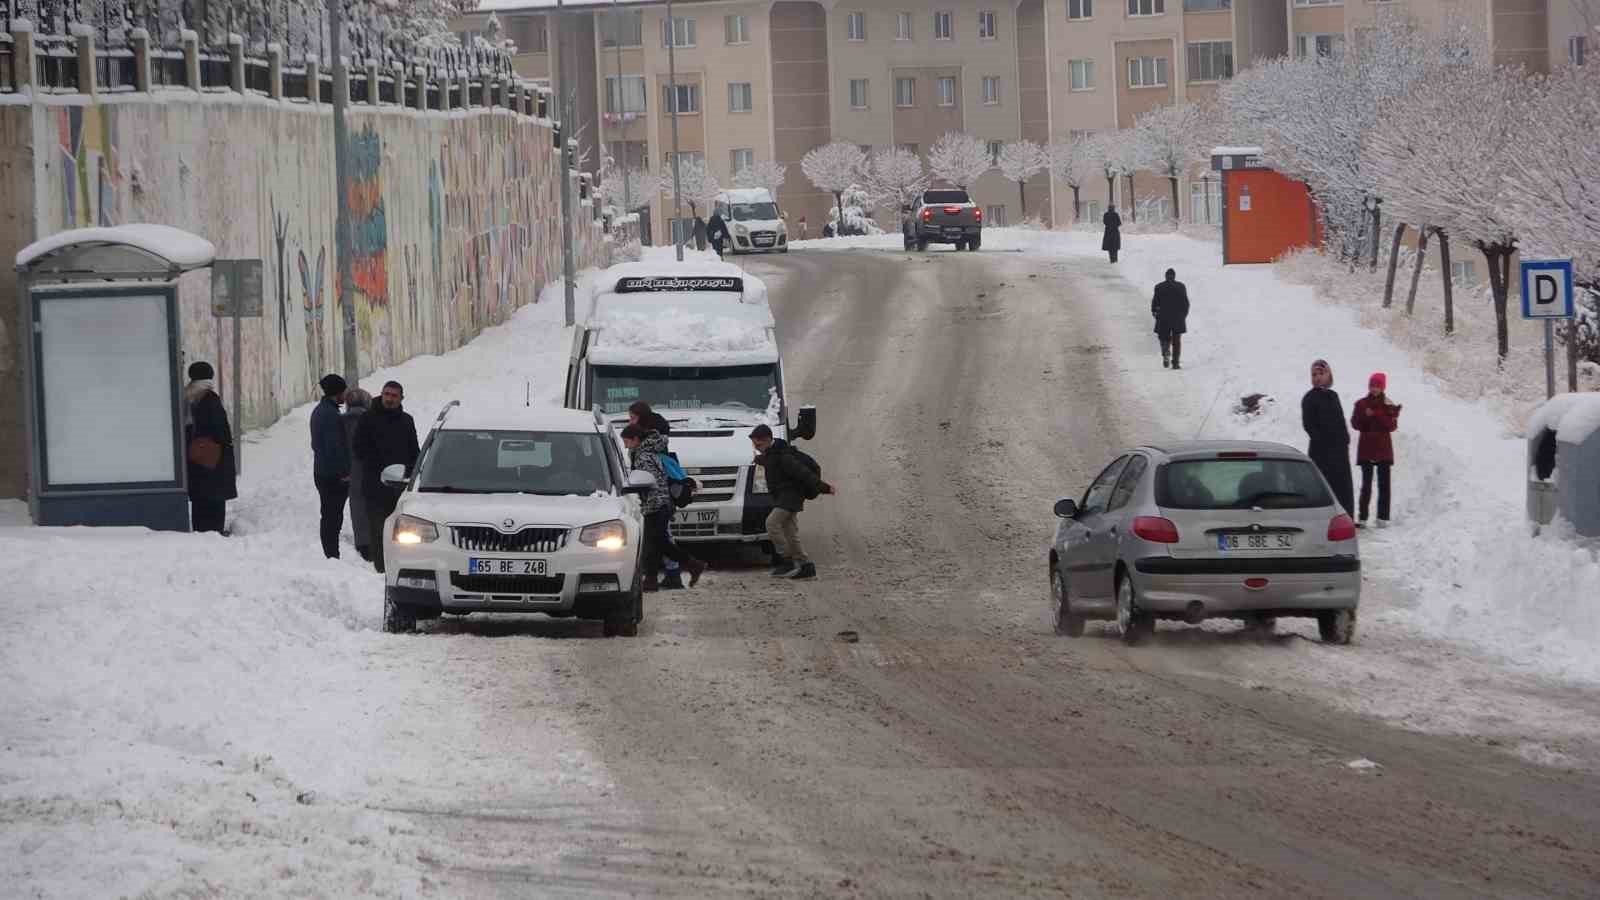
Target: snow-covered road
{"type": "Point", "coordinates": [192, 714]}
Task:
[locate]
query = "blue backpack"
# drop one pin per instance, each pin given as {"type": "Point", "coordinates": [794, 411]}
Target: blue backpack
{"type": "Point", "coordinates": [680, 487]}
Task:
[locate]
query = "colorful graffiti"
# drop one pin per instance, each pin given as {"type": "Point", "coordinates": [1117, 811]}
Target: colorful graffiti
{"type": "Point", "coordinates": [369, 244]}
{"type": "Point", "coordinates": [86, 145]}
{"type": "Point", "coordinates": [316, 337]}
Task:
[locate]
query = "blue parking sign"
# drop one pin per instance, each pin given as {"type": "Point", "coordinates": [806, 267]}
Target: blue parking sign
{"type": "Point", "coordinates": [1547, 289]}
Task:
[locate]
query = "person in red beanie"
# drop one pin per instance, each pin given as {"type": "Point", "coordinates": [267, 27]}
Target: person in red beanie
{"type": "Point", "coordinates": [1375, 418]}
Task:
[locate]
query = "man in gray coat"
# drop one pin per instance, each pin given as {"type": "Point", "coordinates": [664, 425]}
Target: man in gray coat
{"type": "Point", "coordinates": [356, 403]}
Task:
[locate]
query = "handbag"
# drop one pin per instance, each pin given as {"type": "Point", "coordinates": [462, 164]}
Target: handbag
{"type": "Point", "coordinates": [205, 452]}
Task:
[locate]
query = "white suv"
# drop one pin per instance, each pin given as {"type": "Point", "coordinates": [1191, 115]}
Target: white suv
{"type": "Point", "coordinates": [514, 511]}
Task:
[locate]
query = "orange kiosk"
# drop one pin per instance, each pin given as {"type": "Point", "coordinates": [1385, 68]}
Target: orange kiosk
{"type": "Point", "coordinates": [1265, 214]}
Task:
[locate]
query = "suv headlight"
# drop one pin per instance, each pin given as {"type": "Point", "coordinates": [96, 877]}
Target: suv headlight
{"type": "Point", "coordinates": [412, 530]}
{"type": "Point", "coordinates": [758, 479]}
{"type": "Point", "coordinates": [605, 536]}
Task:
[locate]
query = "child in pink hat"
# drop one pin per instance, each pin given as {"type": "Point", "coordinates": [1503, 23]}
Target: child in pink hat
{"type": "Point", "coordinates": [1375, 418]}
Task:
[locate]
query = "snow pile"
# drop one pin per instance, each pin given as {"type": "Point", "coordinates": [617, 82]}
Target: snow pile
{"type": "Point", "coordinates": [191, 714]}
{"type": "Point", "coordinates": [1573, 417]}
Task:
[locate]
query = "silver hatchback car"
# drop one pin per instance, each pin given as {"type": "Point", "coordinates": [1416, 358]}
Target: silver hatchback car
{"type": "Point", "coordinates": [1206, 529]}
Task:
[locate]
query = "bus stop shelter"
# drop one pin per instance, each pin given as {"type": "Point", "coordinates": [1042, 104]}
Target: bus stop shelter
{"type": "Point", "coordinates": [1265, 214]}
{"type": "Point", "coordinates": [101, 370]}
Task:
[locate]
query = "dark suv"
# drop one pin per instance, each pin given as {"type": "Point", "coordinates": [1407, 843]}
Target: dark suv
{"type": "Point", "coordinates": [943, 217]}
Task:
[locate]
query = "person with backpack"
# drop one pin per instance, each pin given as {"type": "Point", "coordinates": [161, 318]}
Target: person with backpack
{"type": "Point", "coordinates": [793, 477]}
{"type": "Point", "coordinates": [647, 452]}
{"type": "Point", "coordinates": [640, 414]}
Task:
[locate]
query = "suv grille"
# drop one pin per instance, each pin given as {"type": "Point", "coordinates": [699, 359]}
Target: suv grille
{"type": "Point", "coordinates": [529, 540]}
{"type": "Point", "coordinates": [694, 529]}
{"type": "Point", "coordinates": [507, 584]}
{"type": "Point", "coordinates": [717, 483]}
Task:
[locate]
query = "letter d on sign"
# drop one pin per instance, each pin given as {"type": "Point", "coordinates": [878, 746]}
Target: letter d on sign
{"type": "Point", "coordinates": [1544, 289]}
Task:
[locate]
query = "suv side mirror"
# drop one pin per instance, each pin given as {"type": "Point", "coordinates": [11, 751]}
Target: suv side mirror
{"type": "Point", "coordinates": [393, 476]}
{"type": "Point", "coordinates": [1066, 509]}
{"type": "Point", "coordinates": [806, 429]}
{"type": "Point", "coordinates": [639, 482]}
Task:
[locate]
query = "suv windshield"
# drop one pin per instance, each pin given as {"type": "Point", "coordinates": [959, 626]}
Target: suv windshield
{"type": "Point", "coordinates": [690, 387]}
{"type": "Point", "coordinates": [553, 463]}
{"type": "Point", "coordinates": [933, 197]}
{"type": "Point", "coordinates": [1240, 484]}
{"type": "Point", "coordinates": [747, 212]}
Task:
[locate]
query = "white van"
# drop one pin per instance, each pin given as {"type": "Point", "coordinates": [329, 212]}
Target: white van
{"type": "Point", "coordinates": [753, 220]}
{"type": "Point", "coordinates": [696, 341]}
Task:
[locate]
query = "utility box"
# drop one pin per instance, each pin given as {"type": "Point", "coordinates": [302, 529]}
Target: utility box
{"type": "Point", "coordinates": [1264, 214]}
{"type": "Point", "coordinates": [1564, 463]}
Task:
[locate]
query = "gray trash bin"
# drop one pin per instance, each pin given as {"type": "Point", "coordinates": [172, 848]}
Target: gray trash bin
{"type": "Point", "coordinates": [1564, 463]}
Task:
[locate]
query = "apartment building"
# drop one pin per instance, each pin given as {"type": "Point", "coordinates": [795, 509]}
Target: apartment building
{"type": "Point", "coordinates": [771, 79]}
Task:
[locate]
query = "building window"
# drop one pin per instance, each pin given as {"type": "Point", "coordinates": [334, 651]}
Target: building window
{"type": "Point", "coordinates": [1082, 74]}
{"type": "Point", "coordinates": [1463, 271]}
{"type": "Point", "coordinates": [1576, 45]}
{"type": "Point", "coordinates": [677, 31]}
{"type": "Point", "coordinates": [902, 26]}
{"type": "Point", "coordinates": [905, 92]}
{"type": "Point", "coordinates": [943, 26]}
{"type": "Point", "coordinates": [995, 216]}
{"type": "Point", "coordinates": [856, 26]}
{"type": "Point", "coordinates": [1091, 211]}
{"type": "Point", "coordinates": [528, 33]}
{"type": "Point", "coordinates": [987, 27]}
{"type": "Point", "coordinates": [624, 29]}
{"type": "Point", "coordinates": [625, 95]}
{"type": "Point", "coordinates": [1147, 71]}
{"type": "Point", "coordinates": [994, 151]}
{"type": "Point", "coordinates": [1147, 7]}
{"type": "Point", "coordinates": [1208, 5]}
{"type": "Point", "coordinates": [1080, 9]}
{"type": "Point", "coordinates": [991, 89]}
{"type": "Point", "coordinates": [1210, 61]}
{"type": "Point", "coordinates": [1325, 45]}
{"type": "Point", "coordinates": [1205, 201]}
{"type": "Point", "coordinates": [858, 93]}
{"type": "Point", "coordinates": [1081, 134]}
{"type": "Point", "coordinates": [912, 149]}
{"type": "Point", "coordinates": [689, 156]}
{"type": "Point", "coordinates": [736, 29]}
{"type": "Point", "coordinates": [688, 99]}
{"type": "Point", "coordinates": [946, 91]}
{"type": "Point", "coordinates": [742, 159]}
{"type": "Point", "coordinates": [739, 97]}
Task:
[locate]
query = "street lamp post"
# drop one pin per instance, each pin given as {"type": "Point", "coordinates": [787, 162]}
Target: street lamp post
{"type": "Point", "coordinates": [672, 112]}
{"type": "Point", "coordinates": [616, 40]}
{"type": "Point", "coordinates": [567, 131]}
{"type": "Point", "coordinates": [341, 175]}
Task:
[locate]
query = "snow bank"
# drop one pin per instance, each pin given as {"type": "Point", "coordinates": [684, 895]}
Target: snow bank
{"type": "Point", "coordinates": [1573, 417]}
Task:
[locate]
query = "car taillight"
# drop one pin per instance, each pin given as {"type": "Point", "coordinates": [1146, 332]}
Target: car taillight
{"type": "Point", "coordinates": [927, 215]}
{"type": "Point", "coordinates": [978, 214]}
{"type": "Point", "coordinates": [1256, 584]}
{"type": "Point", "coordinates": [952, 210]}
{"type": "Point", "coordinates": [1156, 529]}
{"type": "Point", "coordinates": [1341, 528]}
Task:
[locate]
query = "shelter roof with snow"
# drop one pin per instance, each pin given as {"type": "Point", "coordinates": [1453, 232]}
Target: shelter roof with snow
{"type": "Point", "coordinates": [141, 251]}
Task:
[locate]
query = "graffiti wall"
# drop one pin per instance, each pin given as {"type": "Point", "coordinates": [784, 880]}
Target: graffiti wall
{"type": "Point", "coordinates": [455, 222]}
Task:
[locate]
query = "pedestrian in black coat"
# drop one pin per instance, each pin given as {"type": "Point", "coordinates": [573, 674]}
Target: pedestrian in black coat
{"type": "Point", "coordinates": [356, 405]}
{"type": "Point", "coordinates": [1170, 307]}
{"type": "Point", "coordinates": [790, 482]}
{"type": "Point", "coordinates": [330, 462]}
{"type": "Point", "coordinates": [1112, 241]}
{"type": "Point", "coordinates": [210, 487]}
{"type": "Point", "coordinates": [1323, 417]}
{"type": "Point", "coordinates": [717, 233]}
{"type": "Point", "coordinates": [386, 436]}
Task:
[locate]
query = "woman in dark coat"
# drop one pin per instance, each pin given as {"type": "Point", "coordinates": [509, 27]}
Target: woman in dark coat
{"type": "Point", "coordinates": [1112, 242]}
{"type": "Point", "coordinates": [210, 487]}
{"type": "Point", "coordinates": [1375, 418]}
{"type": "Point", "coordinates": [717, 233]}
{"type": "Point", "coordinates": [356, 403]}
{"type": "Point", "coordinates": [1323, 417]}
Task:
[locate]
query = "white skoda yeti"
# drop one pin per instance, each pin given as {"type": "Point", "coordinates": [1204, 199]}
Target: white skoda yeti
{"type": "Point", "coordinates": [515, 511]}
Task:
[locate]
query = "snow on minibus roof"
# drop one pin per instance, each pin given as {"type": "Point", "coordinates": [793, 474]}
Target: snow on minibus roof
{"type": "Point", "coordinates": [705, 277]}
{"type": "Point", "coordinates": [632, 332]}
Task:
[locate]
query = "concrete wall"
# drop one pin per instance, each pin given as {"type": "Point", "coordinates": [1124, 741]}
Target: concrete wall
{"type": "Point", "coordinates": [456, 222]}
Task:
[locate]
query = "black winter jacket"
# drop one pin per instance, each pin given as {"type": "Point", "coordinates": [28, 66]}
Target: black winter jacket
{"type": "Point", "coordinates": [788, 479]}
{"type": "Point", "coordinates": [330, 447]}
{"type": "Point", "coordinates": [383, 438]}
{"type": "Point", "coordinates": [1170, 306]}
{"type": "Point", "coordinates": [1113, 236]}
{"type": "Point", "coordinates": [207, 418]}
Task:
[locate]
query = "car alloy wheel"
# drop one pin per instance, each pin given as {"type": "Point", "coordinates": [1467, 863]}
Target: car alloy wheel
{"type": "Point", "coordinates": [1066, 623]}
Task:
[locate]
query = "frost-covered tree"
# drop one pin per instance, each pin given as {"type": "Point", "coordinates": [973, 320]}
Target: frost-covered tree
{"type": "Point", "coordinates": [764, 174]}
{"type": "Point", "coordinates": [1173, 143]}
{"type": "Point", "coordinates": [1126, 154]}
{"type": "Point", "coordinates": [1070, 164]}
{"type": "Point", "coordinates": [895, 178]}
{"type": "Point", "coordinates": [622, 185]}
{"type": "Point", "coordinates": [1553, 194]}
{"type": "Point", "coordinates": [697, 186]}
{"type": "Point", "coordinates": [1018, 161]}
{"type": "Point", "coordinates": [834, 168]}
{"type": "Point", "coordinates": [1442, 155]}
{"type": "Point", "coordinates": [959, 159]}
{"type": "Point", "coordinates": [853, 214]}
{"type": "Point", "coordinates": [1099, 157]}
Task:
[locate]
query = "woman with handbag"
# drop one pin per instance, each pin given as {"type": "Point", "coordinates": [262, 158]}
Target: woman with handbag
{"type": "Point", "coordinates": [213, 480]}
